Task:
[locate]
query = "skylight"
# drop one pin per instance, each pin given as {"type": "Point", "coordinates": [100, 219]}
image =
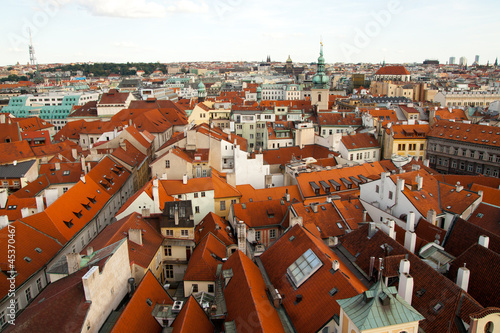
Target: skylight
{"type": "Point", "coordinates": [303, 267]}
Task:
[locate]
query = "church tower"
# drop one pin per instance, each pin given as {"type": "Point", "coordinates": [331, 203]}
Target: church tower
{"type": "Point", "coordinates": [202, 93]}
{"type": "Point", "coordinates": [320, 91]}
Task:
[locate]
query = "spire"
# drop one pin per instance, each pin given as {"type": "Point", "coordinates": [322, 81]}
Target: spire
{"type": "Point", "coordinates": [496, 62]}
{"type": "Point", "coordinates": [320, 80]}
{"type": "Point", "coordinates": [383, 64]}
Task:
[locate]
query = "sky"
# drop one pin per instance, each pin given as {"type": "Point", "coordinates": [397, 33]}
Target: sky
{"type": "Point", "coordinates": [397, 31]}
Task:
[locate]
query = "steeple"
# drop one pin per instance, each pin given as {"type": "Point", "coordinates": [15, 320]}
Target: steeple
{"type": "Point", "coordinates": [201, 92]}
{"type": "Point", "coordinates": [321, 80]}
{"type": "Point", "coordinates": [496, 62]}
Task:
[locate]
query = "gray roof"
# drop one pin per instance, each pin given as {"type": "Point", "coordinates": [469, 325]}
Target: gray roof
{"type": "Point", "coordinates": [15, 171]}
{"type": "Point", "coordinates": [379, 306]}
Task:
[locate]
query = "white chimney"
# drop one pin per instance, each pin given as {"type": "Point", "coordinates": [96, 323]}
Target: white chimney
{"type": "Point", "coordinates": [484, 241]}
{"type": "Point", "coordinates": [431, 216]}
{"type": "Point", "coordinates": [82, 178]}
{"type": "Point", "coordinates": [459, 187]}
{"type": "Point", "coordinates": [3, 197]}
{"type": "Point", "coordinates": [410, 241]}
{"type": "Point", "coordinates": [364, 215]}
{"type": "Point", "coordinates": [404, 266]}
{"type": "Point", "coordinates": [335, 265]}
{"type": "Point", "coordinates": [135, 235]}
{"type": "Point", "coordinates": [74, 153]}
{"type": "Point", "coordinates": [4, 221]}
{"type": "Point", "coordinates": [51, 195]}
{"type": "Point", "coordinates": [463, 276]}
{"type": "Point", "coordinates": [242, 237]}
{"type": "Point", "coordinates": [420, 181]}
{"type": "Point", "coordinates": [392, 228]}
{"type": "Point", "coordinates": [401, 184]}
{"type": "Point", "coordinates": [406, 287]}
{"type": "Point", "coordinates": [25, 212]}
{"type": "Point", "coordinates": [426, 162]}
{"type": "Point", "coordinates": [372, 228]}
{"type": "Point", "coordinates": [410, 221]}
{"type": "Point", "coordinates": [90, 250]}
{"type": "Point", "coordinates": [287, 196]}
{"type": "Point", "coordinates": [57, 166]}
{"type": "Point", "coordinates": [82, 161]}
{"type": "Point", "coordinates": [185, 179]}
{"type": "Point", "coordinates": [39, 203]}
{"type": "Point", "coordinates": [314, 208]}
{"type": "Point", "coordinates": [156, 196]}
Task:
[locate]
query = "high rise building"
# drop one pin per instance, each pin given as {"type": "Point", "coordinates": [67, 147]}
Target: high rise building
{"type": "Point", "coordinates": [462, 61]}
{"type": "Point", "coordinates": [452, 61]}
{"type": "Point", "coordinates": [476, 60]}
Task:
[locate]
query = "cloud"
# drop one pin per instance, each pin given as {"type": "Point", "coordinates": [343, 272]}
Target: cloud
{"type": "Point", "coordinates": [124, 8]}
{"type": "Point", "coordinates": [125, 44]}
{"type": "Point", "coordinates": [187, 6]}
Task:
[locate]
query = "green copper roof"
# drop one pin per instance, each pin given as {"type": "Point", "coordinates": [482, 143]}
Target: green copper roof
{"type": "Point", "coordinates": [379, 307]}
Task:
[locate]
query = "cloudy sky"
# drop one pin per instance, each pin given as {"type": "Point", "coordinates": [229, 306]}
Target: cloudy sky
{"type": "Point", "coordinates": [234, 30]}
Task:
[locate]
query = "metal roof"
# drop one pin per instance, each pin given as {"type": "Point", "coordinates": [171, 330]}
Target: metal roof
{"type": "Point", "coordinates": [15, 171]}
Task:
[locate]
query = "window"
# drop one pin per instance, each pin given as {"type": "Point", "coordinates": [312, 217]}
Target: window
{"type": "Point", "coordinates": [169, 271]}
{"type": "Point", "coordinates": [272, 232]}
{"type": "Point", "coordinates": [184, 232]}
{"type": "Point", "coordinates": [169, 232]}
{"type": "Point", "coordinates": [390, 195]}
{"type": "Point", "coordinates": [167, 164]}
{"type": "Point", "coordinates": [462, 165]}
{"type": "Point", "coordinates": [377, 188]}
{"type": "Point", "coordinates": [351, 156]}
{"type": "Point", "coordinates": [257, 235]}
{"type": "Point", "coordinates": [2, 319]}
{"type": "Point", "coordinates": [168, 251]}
{"type": "Point", "coordinates": [233, 201]}
{"type": "Point", "coordinates": [303, 267]}
{"type": "Point", "coordinates": [412, 146]}
{"type": "Point", "coordinates": [197, 209]}
{"type": "Point", "coordinates": [28, 294]}
{"type": "Point", "coordinates": [211, 288]}
{"type": "Point", "coordinates": [195, 287]}
{"type": "Point", "coordinates": [454, 164]}
{"type": "Point", "coordinates": [39, 284]}
{"type": "Point", "coordinates": [222, 205]}
{"type": "Point", "coordinates": [202, 194]}
{"type": "Point", "coordinates": [196, 194]}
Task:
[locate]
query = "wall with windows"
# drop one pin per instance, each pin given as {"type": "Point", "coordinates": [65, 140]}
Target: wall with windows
{"type": "Point", "coordinates": [193, 287]}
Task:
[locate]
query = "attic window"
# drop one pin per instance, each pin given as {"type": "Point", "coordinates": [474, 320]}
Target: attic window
{"type": "Point", "coordinates": [437, 307]}
{"type": "Point", "coordinates": [92, 200]}
{"type": "Point", "coordinates": [78, 214]}
{"type": "Point", "coordinates": [333, 291]}
{"type": "Point", "coordinates": [28, 259]}
{"type": "Point", "coordinates": [87, 206]}
{"type": "Point", "coordinates": [69, 223]}
{"type": "Point", "coordinates": [306, 265]}
{"type": "Point", "coordinates": [480, 215]}
{"type": "Point", "coordinates": [421, 292]}
{"type": "Point", "coordinates": [65, 172]}
{"type": "Point", "coordinates": [12, 207]}
{"type": "Point", "coordinates": [323, 207]}
{"type": "Point", "coordinates": [39, 250]}
{"type": "Point", "coordinates": [291, 238]}
{"type": "Point", "coordinates": [340, 225]}
{"type": "Point", "coordinates": [149, 302]}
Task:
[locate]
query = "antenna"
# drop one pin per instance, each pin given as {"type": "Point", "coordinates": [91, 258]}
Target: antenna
{"type": "Point", "coordinates": [32, 51]}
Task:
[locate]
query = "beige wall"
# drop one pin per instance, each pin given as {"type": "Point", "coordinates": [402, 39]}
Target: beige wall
{"type": "Point", "coordinates": [202, 286]}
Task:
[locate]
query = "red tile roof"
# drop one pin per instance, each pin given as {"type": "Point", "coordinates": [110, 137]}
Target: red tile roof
{"type": "Point", "coordinates": [487, 217]}
{"type": "Point", "coordinates": [359, 141]}
{"type": "Point", "coordinates": [338, 119]}
{"type": "Point", "coordinates": [174, 187]}
{"type": "Point", "coordinates": [136, 317]}
{"type": "Point", "coordinates": [317, 307]}
{"type": "Point", "coordinates": [406, 132]}
{"type": "Point", "coordinates": [262, 213]}
{"type": "Point", "coordinates": [192, 318]}
{"type": "Point", "coordinates": [284, 155]}
{"type": "Point", "coordinates": [468, 133]}
{"type": "Point", "coordinates": [484, 266]}
{"type": "Point", "coordinates": [216, 225]}
{"type": "Point", "coordinates": [326, 220]}
{"type": "Point", "coordinates": [490, 195]}
{"type": "Point", "coordinates": [113, 97]}
{"type": "Point", "coordinates": [9, 133]}
{"type": "Point", "coordinates": [392, 70]}
{"type": "Point", "coordinates": [202, 265]}
{"type": "Point", "coordinates": [464, 234]}
{"type": "Point", "coordinates": [15, 151]}
{"type": "Point", "coordinates": [246, 298]}
{"type": "Point", "coordinates": [249, 194]}
{"type": "Point", "coordinates": [27, 240]}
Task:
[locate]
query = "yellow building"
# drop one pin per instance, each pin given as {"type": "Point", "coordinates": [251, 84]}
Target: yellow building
{"type": "Point", "coordinates": [405, 140]}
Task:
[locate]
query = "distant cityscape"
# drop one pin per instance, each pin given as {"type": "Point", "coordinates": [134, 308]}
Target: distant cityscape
{"type": "Point", "coordinates": [251, 196]}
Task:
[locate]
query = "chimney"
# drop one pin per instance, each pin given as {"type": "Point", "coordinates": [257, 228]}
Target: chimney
{"type": "Point", "coordinates": [156, 196]}
{"type": "Point", "coordinates": [463, 276]}
{"type": "Point", "coordinates": [39, 203]}
{"type": "Point", "coordinates": [82, 178]}
{"type": "Point", "coordinates": [431, 216]}
{"type": "Point", "coordinates": [242, 237]}
{"type": "Point", "coordinates": [410, 241]}
{"type": "Point", "coordinates": [372, 229]}
{"type": "Point", "coordinates": [372, 265]}
{"type": "Point", "coordinates": [185, 179]}
{"type": "Point", "coordinates": [459, 187]}
{"type": "Point", "coordinates": [314, 208]}
{"type": "Point", "coordinates": [82, 161]}
{"type": "Point", "coordinates": [335, 265]}
{"type": "Point", "coordinates": [3, 197]}
{"type": "Point", "coordinates": [4, 221]}
{"type": "Point", "coordinates": [410, 222]}
{"type": "Point", "coordinates": [392, 229]}
{"type": "Point", "coordinates": [405, 283]}
{"type": "Point", "coordinates": [404, 266]}
{"type": "Point", "coordinates": [73, 260]}
{"type": "Point", "coordinates": [176, 215]}
{"type": "Point", "coordinates": [401, 184]}
{"type": "Point", "coordinates": [296, 220]}
{"type": "Point", "coordinates": [287, 196]}
{"type": "Point", "coordinates": [364, 215]}
{"type": "Point", "coordinates": [57, 166]}
{"type": "Point", "coordinates": [74, 154]}
{"type": "Point", "coordinates": [135, 235]}
{"type": "Point", "coordinates": [88, 167]}
{"type": "Point", "coordinates": [484, 241]}
{"type": "Point", "coordinates": [419, 180]}
{"type": "Point", "coordinates": [90, 250]}
{"type": "Point", "coordinates": [25, 212]}
{"type": "Point", "coordinates": [146, 212]}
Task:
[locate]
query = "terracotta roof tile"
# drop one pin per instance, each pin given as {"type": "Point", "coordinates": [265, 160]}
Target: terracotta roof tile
{"type": "Point", "coordinates": [359, 141]}
{"type": "Point", "coordinates": [392, 70]}
{"type": "Point", "coordinates": [284, 155]}
{"type": "Point", "coordinates": [470, 133]}
{"type": "Point", "coordinates": [216, 225]}
{"type": "Point", "coordinates": [202, 266]}
{"type": "Point", "coordinates": [15, 151]}
{"type": "Point", "coordinates": [464, 234]}
{"type": "Point", "coordinates": [246, 298]}
{"type": "Point", "coordinates": [249, 194]}
{"type": "Point", "coordinates": [262, 213]}
{"type": "Point", "coordinates": [137, 314]}
{"type": "Point", "coordinates": [192, 318]}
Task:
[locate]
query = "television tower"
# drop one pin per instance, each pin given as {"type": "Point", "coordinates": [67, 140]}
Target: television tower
{"type": "Point", "coordinates": [33, 62]}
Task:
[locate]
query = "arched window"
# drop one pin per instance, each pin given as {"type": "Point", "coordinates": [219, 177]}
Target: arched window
{"type": "Point", "coordinates": [488, 328]}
